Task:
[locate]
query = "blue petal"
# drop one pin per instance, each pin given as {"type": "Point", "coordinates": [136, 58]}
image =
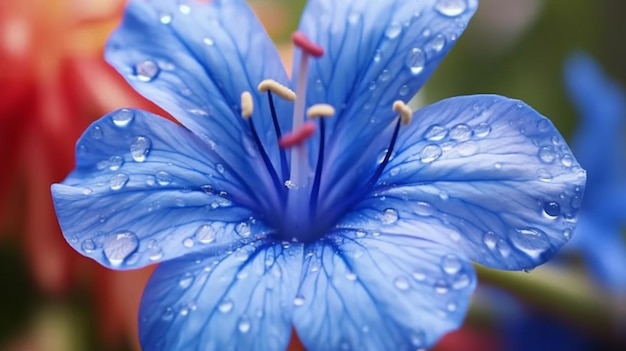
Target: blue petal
{"type": "Point", "coordinates": [604, 250]}
{"type": "Point", "coordinates": [146, 190]}
{"type": "Point", "coordinates": [384, 291]}
{"type": "Point", "coordinates": [194, 59]}
{"type": "Point", "coordinates": [240, 299]}
{"type": "Point", "coordinates": [376, 52]}
{"type": "Point", "coordinates": [486, 171]}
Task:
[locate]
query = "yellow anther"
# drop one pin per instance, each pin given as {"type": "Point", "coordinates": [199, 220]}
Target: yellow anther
{"type": "Point", "coordinates": [320, 110]}
{"type": "Point", "coordinates": [247, 105]}
{"type": "Point", "coordinates": [405, 112]}
{"type": "Point", "coordinates": [277, 88]}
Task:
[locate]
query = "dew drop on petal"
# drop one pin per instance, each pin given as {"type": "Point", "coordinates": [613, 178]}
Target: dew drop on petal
{"type": "Point", "coordinates": [87, 191]}
{"type": "Point", "coordinates": [435, 133]}
{"type": "Point", "coordinates": [437, 43]}
{"type": "Point", "coordinates": [119, 246]}
{"type": "Point", "coordinates": [384, 75]}
{"type": "Point", "coordinates": [123, 117]}
{"type": "Point", "coordinates": [441, 287]}
{"type": "Point", "coordinates": [547, 154]}
{"type": "Point", "coordinates": [168, 314]}
{"type": "Point", "coordinates": [401, 283]}
{"type": "Point", "coordinates": [243, 229]}
{"type": "Point", "coordinates": [205, 234]}
{"type": "Point", "coordinates": [225, 306]}
{"type": "Point", "coordinates": [351, 276]}
{"type": "Point", "coordinates": [490, 239]}
{"type": "Point", "coordinates": [378, 55]}
{"type": "Point", "coordinates": [389, 216]}
{"type": "Point", "coordinates": [430, 153]}
{"type": "Point", "coordinates": [188, 243]}
{"type": "Point", "coordinates": [531, 241]}
{"type": "Point", "coordinates": [140, 147]}
{"type": "Point", "coordinates": [115, 162]}
{"type": "Point", "coordinates": [299, 301]}
{"type": "Point", "coordinates": [416, 60]}
{"type": "Point", "coordinates": [461, 282]}
{"type": "Point", "coordinates": [451, 264]}
{"type": "Point", "coordinates": [184, 9]}
{"type": "Point", "coordinates": [163, 178]}
{"type": "Point", "coordinates": [461, 132]}
{"type": "Point", "coordinates": [96, 132]}
{"type": "Point", "coordinates": [404, 90]}
{"type": "Point", "coordinates": [503, 248]}
{"type": "Point", "coordinates": [567, 160]}
{"type": "Point", "coordinates": [423, 208]}
{"type": "Point", "coordinates": [393, 30]}
{"type": "Point", "coordinates": [118, 181]}
{"type": "Point", "coordinates": [482, 130]}
{"type": "Point", "coordinates": [166, 19]}
{"type": "Point", "coordinates": [451, 8]}
{"type": "Point", "coordinates": [467, 148]}
{"type": "Point", "coordinates": [552, 209]}
{"type": "Point", "coordinates": [244, 325]}
{"type": "Point", "coordinates": [185, 281]}
{"type": "Point", "coordinates": [88, 246]}
{"type": "Point", "coordinates": [419, 276]}
{"type": "Point", "coordinates": [146, 70]}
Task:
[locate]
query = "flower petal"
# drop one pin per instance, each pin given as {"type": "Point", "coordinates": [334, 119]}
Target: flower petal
{"type": "Point", "coordinates": [146, 190]}
{"type": "Point", "coordinates": [489, 172]}
{"type": "Point", "coordinates": [194, 59]}
{"type": "Point", "coordinates": [376, 52]}
{"type": "Point", "coordinates": [234, 300]}
{"type": "Point", "coordinates": [380, 291]}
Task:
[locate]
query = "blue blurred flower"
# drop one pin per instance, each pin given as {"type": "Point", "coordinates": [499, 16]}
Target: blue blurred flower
{"type": "Point", "coordinates": [361, 236]}
{"type": "Point", "coordinates": [600, 144]}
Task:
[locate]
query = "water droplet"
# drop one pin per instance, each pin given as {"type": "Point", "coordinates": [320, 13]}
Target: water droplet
{"type": "Point", "coordinates": [163, 178]}
{"type": "Point", "coordinates": [451, 8]}
{"type": "Point", "coordinates": [567, 233]}
{"type": "Point", "coordinates": [118, 181]}
{"type": "Point", "coordinates": [576, 202]}
{"type": "Point", "coordinates": [451, 307]}
{"type": "Point", "coordinates": [115, 162]}
{"type": "Point", "coordinates": [490, 239]}
{"type": "Point", "coordinates": [424, 209]}
{"type": "Point", "coordinates": [150, 181]}
{"type": "Point", "coordinates": [531, 241]}
{"type": "Point", "coordinates": [166, 19]}
{"type": "Point", "coordinates": [467, 148]}
{"type": "Point", "coordinates": [87, 191]}
{"type": "Point", "coordinates": [205, 234]}
{"type": "Point", "coordinates": [461, 282]}
{"type": "Point", "coordinates": [244, 324]}
{"type": "Point", "coordinates": [503, 248]}
{"type": "Point", "coordinates": [140, 147]}
{"type": "Point", "coordinates": [419, 276]}
{"type": "Point", "coordinates": [360, 233]}
{"type": "Point", "coordinates": [384, 75]}
{"type": "Point", "coordinates": [378, 55]}
{"type": "Point", "coordinates": [298, 301]}
{"type": "Point", "coordinates": [404, 90]}
{"type": "Point", "coordinates": [123, 117]}
{"type": "Point", "coordinates": [168, 314]}
{"type": "Point", "coordinates": [416, 60]}
{"type": "Point", "coordinates": [389, 216]}
{"type": "Point", "coordinates": [242, 275]}
{"type": "Point", "coordinates": [220, 168]}
{"type": "Point", "coordinates": [96, 132]}
{"type": "Point", "coordinates": [547, 154]}
{"type": "Point", "coordinates": [444, 195]}
{"type": "Point", "coordinates": [441, 287]}
{"type": "Point", "coordinates": [498, 165]}
{"type": "Point", "coordinates": [543, 124]}
{"type": "Point", "coordinates": [146, 70]}
{"type": "Point", "coordinates": [401, 283]}
{"type": "Point", "coordinates": [451, 264]}
{"type": "Point", "coordinates": [430, 153]}
{"type": "Point", "coordinates": [88, 246]}
{"type": "Point", "coordinates": [552, 208]}
{"type": "Point", "coordinates": [567, 160]}
{"type": "Point", "coordinates": [437, 43]}
{"type": "Point", "coordinates": [435, 133]}
{"type": "Point", "coordinates": [188, 243]}
{"type": "Point", "coordinates": [225, 306]}
{"type": "Point", "coordinates": [243, 229]}
{"type": "Point", "coordinates": [351, 276]}
{"type": "Point", "coordinates": [353, 18]}
{"type": "Point", "coordinates": [184, 9]}
{"type": "Point", "coordinates": [393, 30]}
{"type": "Point", "coordinates": [185, 281]}
{"type": "Point", "coordinates": [119, 246]}
{"type": "Point", "coordinates": [482, 130]}
{"type": "Point", "coordinates": [461, 132]}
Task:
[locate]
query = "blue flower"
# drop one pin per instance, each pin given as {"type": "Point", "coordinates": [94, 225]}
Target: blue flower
{"type": "Point", "coordinates": [600, 143]}
{"type": "Point", "coordinates": [356, 228]}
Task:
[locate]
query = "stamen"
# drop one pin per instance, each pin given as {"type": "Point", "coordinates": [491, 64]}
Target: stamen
{"type": "Point", "coordinates": [301, 41]}
{"type": "Point", "coordinates": [405, 112]}
{"type": "Point", "coordinates": [298, 136]}
{"type": "Point", "coordinates": [320, 111]}
{"type": "Point", "coordinates": [247, 108]}
{"type": "Point", "coordinates": [247, 105]}
{"type": "Point", "coordinates": [270, 85]}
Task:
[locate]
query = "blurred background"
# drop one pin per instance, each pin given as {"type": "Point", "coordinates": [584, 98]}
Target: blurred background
{"type": "Point", "coordinates": [54, 82]}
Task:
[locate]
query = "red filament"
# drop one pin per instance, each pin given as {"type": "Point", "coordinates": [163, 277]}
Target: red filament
{"type": "Point", "coordinates": [298, 136]}
{"type": "Point", "coordinates": [301, 41]}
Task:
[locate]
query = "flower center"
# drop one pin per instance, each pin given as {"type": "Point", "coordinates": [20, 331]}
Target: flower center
{"type": "Point", "coordinates": [298, 185]}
